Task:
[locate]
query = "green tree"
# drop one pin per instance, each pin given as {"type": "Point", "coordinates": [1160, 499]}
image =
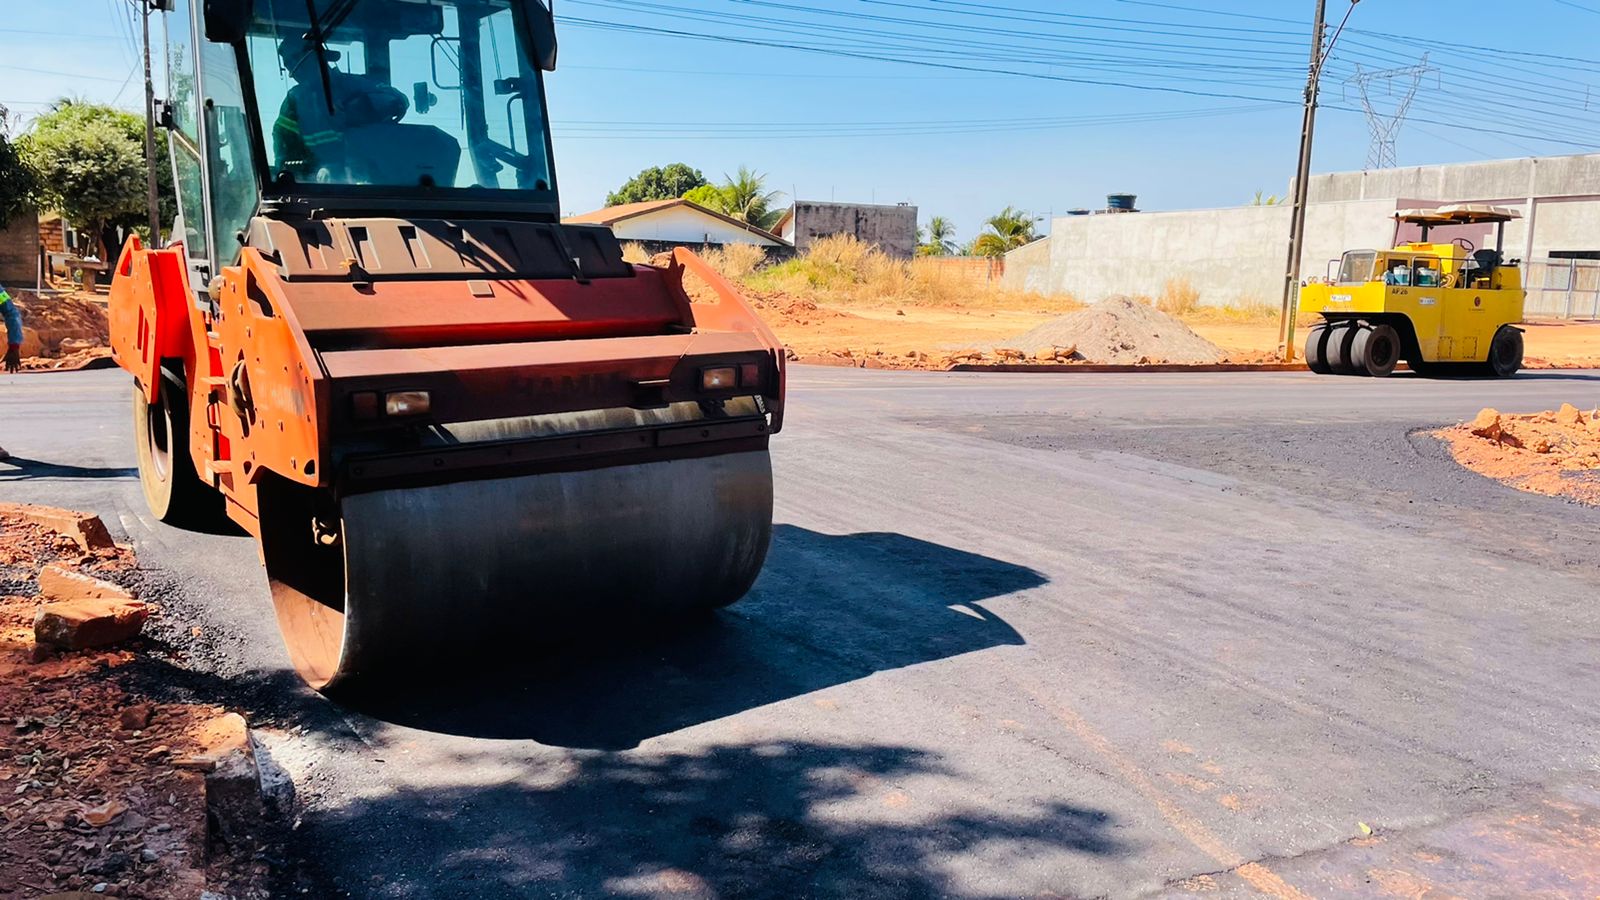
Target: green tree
{"type": "Point", "coordinates": [81, 153]}
{"type": "Point", "coordinates": [1008, 230]}
{"type": "Point", "coordinates": [17, 182]}
{"type": "Point", "coordinates": [938, 239]}
{"type": "Point", "coordinates": [657, 183]}
{"type": "Point", "coordinates": [710, 196]}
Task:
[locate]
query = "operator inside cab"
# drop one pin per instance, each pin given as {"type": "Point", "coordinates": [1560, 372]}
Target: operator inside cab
{"type": "Point", "coordinates": [308, 138]}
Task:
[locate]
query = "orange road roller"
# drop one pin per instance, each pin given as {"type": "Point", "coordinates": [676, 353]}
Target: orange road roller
{"type": "Point", "coordinates": [450, 420]}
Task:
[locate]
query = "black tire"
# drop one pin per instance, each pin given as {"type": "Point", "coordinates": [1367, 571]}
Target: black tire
{"type": "Point", "coordinates": [1341, 335]}
{"type": "Point", "coordinates": [1317, 349]}
{"type": "Point", "coordinates": [1505, 352]}
{"type": "Point", "coordinates": [174, 493]}
{"type": "Point", "coordinates": [1375, 350]}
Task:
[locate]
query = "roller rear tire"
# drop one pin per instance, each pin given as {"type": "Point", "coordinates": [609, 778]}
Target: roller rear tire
{"type": "Point", "coordinates": [1505, 352]}
{"type": "Point", "coordinates": [172, 489]}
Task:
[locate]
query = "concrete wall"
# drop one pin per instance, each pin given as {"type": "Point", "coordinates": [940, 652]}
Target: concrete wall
{"type": "Point", "coordinates": [681, 225]}
{"type": "Point", "coordinates": [1501, 179]}
{"type": "Point", "coordinates": [1027, 268]}
{"type": "Point", "coordinates": [1558, 196]}
{"type": "Point", "coordinates": [19, 252]}
{"type": "Point", "coordinates": [892, 228]}
{"type": "Point", "coordinates": [1231, 256]}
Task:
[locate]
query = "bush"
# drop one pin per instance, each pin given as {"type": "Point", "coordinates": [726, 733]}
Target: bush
{"type": "Point", "coordinates": [841, 269]}
{"type": "Point", "coordinates": [1178, 298]}
{"type": "Point", "coordinates": [735, 261]}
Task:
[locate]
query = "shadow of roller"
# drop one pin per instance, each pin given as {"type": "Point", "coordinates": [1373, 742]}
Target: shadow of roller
{"type": "Point", "coordinates": [827, 610]}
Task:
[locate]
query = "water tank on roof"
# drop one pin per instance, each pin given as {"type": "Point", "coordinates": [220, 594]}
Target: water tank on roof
{"type": "Point", "coordinates": [1077, 212]}
{"type": "Point", "coordinates": [1121, 202]}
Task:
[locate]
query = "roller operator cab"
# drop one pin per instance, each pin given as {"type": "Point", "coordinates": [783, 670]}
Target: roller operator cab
{"type": "Point", "coordinates": [451, 420]}
{"type": "Point", "coordinates": [1447, 307]}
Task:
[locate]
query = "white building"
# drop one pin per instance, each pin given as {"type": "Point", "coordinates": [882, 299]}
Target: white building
{"type": "Point", "coordinates": [661, 223]}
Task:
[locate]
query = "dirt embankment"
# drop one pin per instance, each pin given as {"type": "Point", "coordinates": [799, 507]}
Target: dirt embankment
{"type": "Point", "coordinates": [103, 789]}
{"type": "Point", "coordinates": [1553, 453]}
{"type": "Point", "coordinates": [62, 331]}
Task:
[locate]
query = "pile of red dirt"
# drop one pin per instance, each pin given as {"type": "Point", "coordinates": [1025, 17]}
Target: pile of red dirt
{"type": "Point", "coordinates": [60, 324]}
{"type": "Point", "coordinates": [1553, 453]}
{"type": "Point", "coordinates": [98, 789]}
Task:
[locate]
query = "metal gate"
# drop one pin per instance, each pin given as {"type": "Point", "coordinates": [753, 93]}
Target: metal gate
{"type": "Point", "coordinates": [1562, 288]}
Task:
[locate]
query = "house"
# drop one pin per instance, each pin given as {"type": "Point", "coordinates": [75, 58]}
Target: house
{"type": "Point", "coordinates": [663, 224]}
{"type": "Point", "coordinates": [893, 228]}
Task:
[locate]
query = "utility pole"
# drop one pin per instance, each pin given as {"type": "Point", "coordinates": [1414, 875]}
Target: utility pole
{"type": "Point", "coordinates": [152, 195]}
{"type": "Point", "coordinates": [1297, 215]}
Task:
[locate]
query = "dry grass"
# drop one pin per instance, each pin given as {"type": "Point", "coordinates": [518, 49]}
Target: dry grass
{"type": "Point", "coordinates": [843, 271]}
{"type": "Point", "coordinates": [1178, 298]}
{"type": "Point", "coordinates": [734, 261]}
{"type": "Point", "coordinates": [634, 252]}
{"type": "Point", "coordinates": [1245, 310]}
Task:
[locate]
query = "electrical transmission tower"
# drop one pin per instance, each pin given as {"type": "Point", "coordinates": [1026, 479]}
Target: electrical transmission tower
{"type": "Point", "coordinates": [1385, 126]}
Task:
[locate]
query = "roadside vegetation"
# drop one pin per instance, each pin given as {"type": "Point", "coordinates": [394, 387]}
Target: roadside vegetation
{"type": "Point", "coordinates": [843, 271]}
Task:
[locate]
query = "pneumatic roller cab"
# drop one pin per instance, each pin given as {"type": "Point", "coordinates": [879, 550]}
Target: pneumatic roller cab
{"type": "Point", "coordinates": [1444, 307]}
{"type": "Point", "coordinates": [453, 422]}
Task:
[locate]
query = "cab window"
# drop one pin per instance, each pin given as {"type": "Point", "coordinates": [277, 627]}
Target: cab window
{"type": "Point", "coordinates": [1356, 266]}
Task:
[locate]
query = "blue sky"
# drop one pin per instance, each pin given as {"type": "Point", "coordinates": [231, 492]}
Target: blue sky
{"type": "Point", "coordinates": [1002, 110]}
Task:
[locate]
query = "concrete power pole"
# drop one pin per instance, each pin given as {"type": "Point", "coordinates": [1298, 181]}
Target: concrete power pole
{"type": "Point", "coordinates": [1381, 154]}
{"type": "Point", "coordinates": [1297, 215]}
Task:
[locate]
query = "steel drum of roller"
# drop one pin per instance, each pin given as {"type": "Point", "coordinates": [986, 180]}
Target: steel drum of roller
{"type": "Point", "coordinates": [436, 574]}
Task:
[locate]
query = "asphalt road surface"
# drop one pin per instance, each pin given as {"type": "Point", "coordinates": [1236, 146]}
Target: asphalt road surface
{"type": "Point", "coordinates": [1018, 636]}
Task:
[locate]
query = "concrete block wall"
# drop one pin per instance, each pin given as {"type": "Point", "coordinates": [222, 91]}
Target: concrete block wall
{"type": "Point", "coordinates": [892, 228]}
{"type": "Point", "coordinates": [1231, 256]}
{"type": "Point", "coordinates": [1027, 268]}
{"type": "Point", "coordinates": [19, 252]}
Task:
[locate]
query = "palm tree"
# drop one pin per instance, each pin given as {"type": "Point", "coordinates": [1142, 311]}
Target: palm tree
{"type": "Point", "coordinates": [748, 200]}
{"type": "Point", "coordinates": [1008, 230]}
{"type": "Point", "coordinates": [938, 239]}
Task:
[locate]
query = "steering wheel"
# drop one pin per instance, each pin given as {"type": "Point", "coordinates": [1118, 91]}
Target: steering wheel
{"type": "Point", "coordinates": [1465, 244]}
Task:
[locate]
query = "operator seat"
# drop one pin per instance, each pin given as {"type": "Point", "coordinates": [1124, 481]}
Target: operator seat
{"type": "Point", "coordinates": [1481, 265]}
{"type": "Point", "coordinates": [403, 154]}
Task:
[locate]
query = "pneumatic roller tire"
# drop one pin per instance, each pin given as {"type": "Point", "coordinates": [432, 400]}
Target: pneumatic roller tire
{"type": "Point", "coordinates": [1317, 349]}
{"type": "Point", "coordinates": [1341, 337]}
{"type": "Point", "coordinates": [1375, 350]}
{"type": "Point", "coordinates": [436, 578]}
{"type": "Point", "coordinates": [1505, 352]}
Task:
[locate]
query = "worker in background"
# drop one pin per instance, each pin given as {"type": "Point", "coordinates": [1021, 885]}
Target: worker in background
{"type": "Point", "coordinates": [13, 318]}
{"type": "Point", "coordinates": [307, 140]}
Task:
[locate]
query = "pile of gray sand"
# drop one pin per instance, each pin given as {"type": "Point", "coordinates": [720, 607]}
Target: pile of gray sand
{"type": "Point", "coordinates": [1121, 331]}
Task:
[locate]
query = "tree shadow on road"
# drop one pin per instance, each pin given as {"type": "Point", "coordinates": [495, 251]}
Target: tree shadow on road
{"type": "Point", "coordinates": [785, 819]}
{"type": "Point", "coordinates": [18, 468]}
{"type": "Point", "coordinates": [827, 609]}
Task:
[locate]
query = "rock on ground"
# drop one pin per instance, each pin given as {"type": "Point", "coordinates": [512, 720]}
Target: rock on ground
{"type": "Point", "coordinates": [1120, 331]}
{"type": "Point", "coordinates": [1555, 453]}
{"type": "Point", "coordinates": [61, 323]}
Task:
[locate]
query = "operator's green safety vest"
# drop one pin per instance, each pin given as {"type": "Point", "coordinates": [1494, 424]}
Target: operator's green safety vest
{"type": "Point", "coordinates": [13, 318]}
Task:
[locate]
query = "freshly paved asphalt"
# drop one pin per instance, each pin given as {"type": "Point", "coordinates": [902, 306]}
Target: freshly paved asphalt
{"type": "Point", "coordinates": [1019, 635]}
